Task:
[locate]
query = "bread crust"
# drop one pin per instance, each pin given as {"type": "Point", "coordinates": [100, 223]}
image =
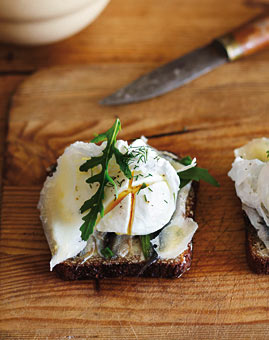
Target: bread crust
{"type": "Point", "coordinates": [257, 255]}
{"type": "Point", "coordinates": [97, 267]}
{"type": "Point", "coordinates": [70, 270]}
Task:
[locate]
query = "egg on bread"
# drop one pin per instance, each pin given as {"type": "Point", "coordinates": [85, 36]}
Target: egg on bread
{"type": "Point", "coordinates": [133, 192]}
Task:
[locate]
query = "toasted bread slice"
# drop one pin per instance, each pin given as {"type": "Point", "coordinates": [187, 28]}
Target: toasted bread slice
{"type": "Point", "coordinates": [257, 253]}
{"type": "Point", "coordinates": [97, 267]}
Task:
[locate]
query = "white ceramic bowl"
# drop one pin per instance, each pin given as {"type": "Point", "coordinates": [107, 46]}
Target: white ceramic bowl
{"type": "Point", "coordinates": [37, 22]}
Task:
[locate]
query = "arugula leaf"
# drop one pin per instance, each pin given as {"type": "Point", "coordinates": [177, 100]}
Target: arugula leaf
{"type": "Point", "coordinates": [107, 253]}
{"type": "Point", "coordinates": [123, 161]}
{"type": "Point", "coordinates": [183, 182]}
{"type": "Point", "coordinates": [196, 174]}
{"type": "Point", "coordinates": [146, 245]}
{"type": "Point", "coordinates": [95, 203]}
{"type": "Point", "coordinates": [186, 160]}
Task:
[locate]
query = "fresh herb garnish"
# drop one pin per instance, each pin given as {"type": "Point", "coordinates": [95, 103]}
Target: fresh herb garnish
{"type": "Point", "coordinates": [107, 253]}
{"type": "Point", "coordinates": [267, 152]}
{"type": "Point", "coordinates": [120, 182]}
{"type": "Point", "coordinates": [145, 198]}
{"type": "Point", "coordinates": [197, 174]}
{"type": "Point", "coordinates": [185, 160]}
{"type": "Point", "coordinates": [95, 203]}
{"type": "Point", "coordinates": [146, 245]}
{"type": "Point", "coordinates": [143, 186]}
{"type": "Point", "coordinates": [111, 184]}
{"type": "Point", "coordinates": [139, 153]}
{"type": "Point", "coordinates": [150, 189]}
{"type": "Point", "coordinates": [183, 182]}
{"type": "Point", "coordinates": [137, 176]}
{"type": "Point", "coordinates": [194, 174]}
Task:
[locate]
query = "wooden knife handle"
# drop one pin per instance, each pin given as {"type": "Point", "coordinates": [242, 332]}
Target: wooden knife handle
{"type": "Point", "coordinates": [247, 39]}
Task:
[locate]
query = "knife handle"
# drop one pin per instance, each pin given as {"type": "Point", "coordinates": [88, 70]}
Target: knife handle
{"type": "Point", "coordinates": [247, 39]}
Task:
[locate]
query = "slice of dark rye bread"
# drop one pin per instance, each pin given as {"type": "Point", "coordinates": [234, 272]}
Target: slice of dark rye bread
{"type": "Point", "coordinates": [257, 253]}
{"type": "Point", "coordinates": [98, 267]}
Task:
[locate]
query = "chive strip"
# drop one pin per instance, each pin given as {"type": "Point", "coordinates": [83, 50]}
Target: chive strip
{"type": "Point", "coordinates": [107, 253]}
{"type": "Point", "coordinates": [146, 245]}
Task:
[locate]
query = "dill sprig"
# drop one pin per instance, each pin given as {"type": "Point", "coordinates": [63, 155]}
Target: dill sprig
{"type": "Point", "coordinates": [143, 186]}
{"type": "Point", "coordinates": [138, 154]}
{"type": "Point", "coordinates": [145, 198]}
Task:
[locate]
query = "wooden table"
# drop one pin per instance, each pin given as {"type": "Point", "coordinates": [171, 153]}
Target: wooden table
{"type": "Point", "coordinates": [138, 35]}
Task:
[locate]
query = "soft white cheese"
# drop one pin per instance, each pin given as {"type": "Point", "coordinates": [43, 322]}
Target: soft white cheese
{"type": "Point", "coordinates": [60, 200]}
{"type": "Point", "coordinates": [255, 149]}
{"type": "Point", "coordinates": [250, 172]}
{"type": "Point", "coordinates": [175, 237]}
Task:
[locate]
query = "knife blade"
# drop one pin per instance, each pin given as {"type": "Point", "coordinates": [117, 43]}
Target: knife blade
{"type": "Point", "coordinates": [169, 76]}
{"type": "Point", "coordinates": [243, 41]}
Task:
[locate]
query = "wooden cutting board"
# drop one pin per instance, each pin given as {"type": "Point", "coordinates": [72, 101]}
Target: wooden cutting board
{"type": "Point", "coordinates": [219, 297]}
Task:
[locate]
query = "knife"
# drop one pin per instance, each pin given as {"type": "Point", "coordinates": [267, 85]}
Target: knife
{"type": "Point", "coordinates": [243, 41]}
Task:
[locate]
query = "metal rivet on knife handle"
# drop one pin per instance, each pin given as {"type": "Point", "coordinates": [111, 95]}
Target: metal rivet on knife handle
{"type": "Point", "coordinates": [247, 39]}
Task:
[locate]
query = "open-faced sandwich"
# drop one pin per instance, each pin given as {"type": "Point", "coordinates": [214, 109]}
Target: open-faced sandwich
{"type": "Point", "coordinates": [250, 172]}
{"type": "Point", "coordinates": [112, 209]}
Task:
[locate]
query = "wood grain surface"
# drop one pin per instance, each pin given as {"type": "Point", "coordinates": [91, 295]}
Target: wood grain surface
{"type": "Point", "coordinates": [8, 86]}
{"type": "Point", "coordinates": [219, 296]}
